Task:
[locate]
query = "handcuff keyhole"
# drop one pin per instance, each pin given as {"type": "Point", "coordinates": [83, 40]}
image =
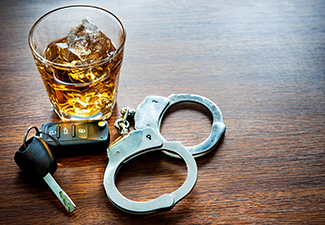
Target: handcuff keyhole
{"type": "Point", "coordinates": [187, 122]}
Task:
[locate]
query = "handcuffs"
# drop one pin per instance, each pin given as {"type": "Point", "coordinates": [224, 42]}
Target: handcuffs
{"type": "Point", "coordinates": [146, 138]}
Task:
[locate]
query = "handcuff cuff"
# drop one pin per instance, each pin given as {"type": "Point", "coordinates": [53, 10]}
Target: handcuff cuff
{"type": "Point", "coordinates": [146, 138]}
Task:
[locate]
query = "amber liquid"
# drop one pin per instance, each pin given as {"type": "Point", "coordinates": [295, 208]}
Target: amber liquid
{"type": "Point", "coordinates": [78, 91]}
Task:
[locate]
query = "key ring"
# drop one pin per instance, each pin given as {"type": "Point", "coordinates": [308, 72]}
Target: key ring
{"type": "Point", "coordinates": [37, 132]}
{"type": "Point", "coordinates": [151, 111]}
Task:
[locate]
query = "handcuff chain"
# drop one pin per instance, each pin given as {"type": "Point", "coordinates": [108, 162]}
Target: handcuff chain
{"type": "Point", "coordinates": [121, 124]}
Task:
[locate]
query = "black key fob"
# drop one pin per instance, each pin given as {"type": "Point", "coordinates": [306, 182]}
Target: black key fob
{"type": "Point", "coordinates": [76, 137]}
{"type": "Point", "coordinates": [36, 159]}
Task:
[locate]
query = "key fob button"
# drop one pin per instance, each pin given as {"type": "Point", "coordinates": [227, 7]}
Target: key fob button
{"type": "Point", "coordinates": [53, 132]}
{"type": "Point", "coordinates": [65, 132]}
{"type": "Point", "coordinates": [101, 124]}
{"type": "Point", "coordinates": [82, 130]}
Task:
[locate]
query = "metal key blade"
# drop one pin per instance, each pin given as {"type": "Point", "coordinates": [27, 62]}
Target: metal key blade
{"type": "Point", "coordinates": [60, 194]}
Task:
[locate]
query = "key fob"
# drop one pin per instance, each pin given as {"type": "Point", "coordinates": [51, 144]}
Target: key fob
{"type": "Point", "coordinates": [35, 160]}
{"type": "Point", "coordinates": [76, 137]}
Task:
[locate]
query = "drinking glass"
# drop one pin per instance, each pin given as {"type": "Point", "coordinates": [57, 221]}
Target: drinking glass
{"type": "Point", "coordinates": [79, 64]}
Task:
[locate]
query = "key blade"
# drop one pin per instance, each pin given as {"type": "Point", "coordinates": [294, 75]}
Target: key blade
{"type": "Point", "coordinates": [60, 194]}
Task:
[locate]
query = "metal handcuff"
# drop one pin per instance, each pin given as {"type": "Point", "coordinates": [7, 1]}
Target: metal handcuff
{"type": "Point", "coordinates": [146, 138]}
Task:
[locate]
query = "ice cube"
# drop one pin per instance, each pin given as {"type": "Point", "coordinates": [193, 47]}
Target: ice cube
{"type": "Point", "coordinates": [58, 52]}
{"type": "Point", "coordinates": [88, 42]}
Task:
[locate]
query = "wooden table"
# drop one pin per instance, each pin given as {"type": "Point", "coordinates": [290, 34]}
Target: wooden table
{"type": "Point", "coordinates": [262, 62]}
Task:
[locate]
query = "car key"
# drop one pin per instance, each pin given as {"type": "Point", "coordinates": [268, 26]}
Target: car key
{"type": "Point", "coordinates": [76, 137]}
{"type": "Point", "coordinates": [35, 159]}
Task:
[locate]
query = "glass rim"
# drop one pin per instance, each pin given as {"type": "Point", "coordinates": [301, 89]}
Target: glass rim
{"type": "Point", "coordinates": [118, 50]}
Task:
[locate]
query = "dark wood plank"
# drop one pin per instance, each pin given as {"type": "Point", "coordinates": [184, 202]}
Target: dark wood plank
{"type": "Point", "coordinates": [261, 62]}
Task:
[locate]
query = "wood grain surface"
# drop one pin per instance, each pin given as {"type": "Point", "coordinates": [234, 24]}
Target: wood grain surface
{"type": "Point", "coordinates": [262, 62]}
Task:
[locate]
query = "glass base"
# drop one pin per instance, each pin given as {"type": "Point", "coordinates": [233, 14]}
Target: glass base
{"type": "Point", "coordinates": [98, 116]}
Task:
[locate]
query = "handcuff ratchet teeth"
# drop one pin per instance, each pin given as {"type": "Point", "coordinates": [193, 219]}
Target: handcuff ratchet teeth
{"type": "Point", "coordinates": [145, 138]}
